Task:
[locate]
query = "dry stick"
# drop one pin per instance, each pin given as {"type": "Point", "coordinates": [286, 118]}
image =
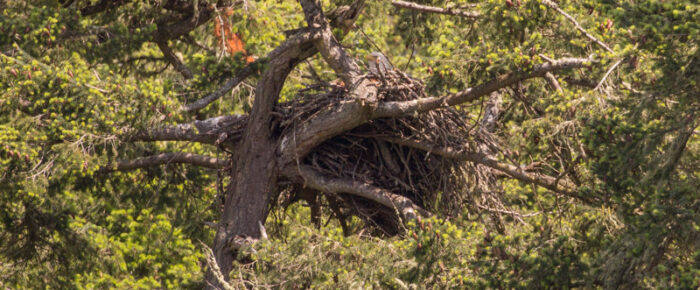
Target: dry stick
{"type": "Point", "coordinates": [553, 81]}
{"type": "Point", "coordinates": [430, 9]}
{"type": "Point", "coordinates": [600, 83]}
{"type": "Point", "coordinates": [578, 26]}
{"type": "Point", "coordinates": [591, 37]}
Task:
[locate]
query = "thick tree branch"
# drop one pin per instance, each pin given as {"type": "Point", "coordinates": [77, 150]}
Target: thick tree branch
{"type": "Point", "coordinates": [205, 131]}
{"type": "Point", "coordinates": [331, 50]}
{"type": "Point", "coordinates": [167, 158]}
{"type": "Point", "coordinates": [395, 109]}
{"type": "Point", "coordinates": [430, 9]}
{"type": "Point", "coordinates": [321, 183]}
{"type": "Point", "coordinates": [351, 113]}
{"type": "Point", "coordinates": [554, 184]}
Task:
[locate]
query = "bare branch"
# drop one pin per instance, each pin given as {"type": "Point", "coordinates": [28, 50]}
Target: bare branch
{"type": "Point", "coordinates": [167, 158]}
{"type": "Point", "coordinates": [600, 83]}
{"type": "Point", "coordinates": [227, 87]}
{"type": "Point", "coordinates": [553, 82]}
{"type": "Point", "coordinates": [351, 113]}
{"type": "Point", "coordinates": [556, 185]}
{"type": "Point", "coordinates": [430, 9]}
{"type": "Point", "coordinates": [206, 131]}
{"type": "Point", "coordinates": [578, 26]}
{"type": "Point", "coordinates": [394, 109]}
{"type": "Point", "coordinates": [319, 182]}
{"type": "Point", "coordinates": [173, 59]}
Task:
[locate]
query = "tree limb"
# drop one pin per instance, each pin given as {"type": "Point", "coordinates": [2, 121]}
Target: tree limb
{"type": "Point", "coordinates": [167, 158]}
{"type": "Point", "coordinates": [352, 113]}
{"type": "Point", "coordinates": [205, 131]}
{"type": "Point", "coordinates": [173, 59]}
{"type": "Point", "coordinates": [405, 206]}
{"type": "Point", "coordinates": [331, 50]}
{"type": "Point", "coordinates": [430, 9]}
{"type": "Point", "coordinates": [395, 109]}
{"type": "Point", "coordinates": [553, 82]}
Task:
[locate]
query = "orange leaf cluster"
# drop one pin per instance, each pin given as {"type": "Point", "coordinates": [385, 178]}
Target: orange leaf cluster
{"type": "Point", "coordinates": [232, 42]}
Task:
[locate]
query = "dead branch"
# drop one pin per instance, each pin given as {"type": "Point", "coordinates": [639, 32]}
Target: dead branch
{"type": "Point", "coordinates": [578, 26]}
{"type": "Point", "coordinates": [173, 59]}
{"type": "Point", "coordinates": [404, 205]}
{"type": "Point", "coordinates": [331, 50]}
{"type": "Point", "coordinates": [553, 82]}
{"type": "Point", "coordinates": [430, 9]}
{"type": "Point", "coordinates": [207, 131]}
{"type": "Point", "coordinates": [610, 70]}
{"type": "Point", "coordinates": [167, 158]}
{"type": "Point", "coordinates": [199, 104]}
{"type": "Point", "coordinates": [393, 109]}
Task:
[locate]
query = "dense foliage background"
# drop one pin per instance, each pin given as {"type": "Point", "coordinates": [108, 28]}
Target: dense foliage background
{"type": "Point", "coordinates": [74, 81]}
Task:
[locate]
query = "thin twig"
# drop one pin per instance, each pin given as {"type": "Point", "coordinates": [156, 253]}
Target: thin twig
{"type": "Point", "coordinates": [600, 83]}
{"type": "Point", "coordinates": [578, 26]}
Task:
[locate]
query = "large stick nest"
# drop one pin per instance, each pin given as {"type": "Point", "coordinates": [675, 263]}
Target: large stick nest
{"type": "Point", "coordinates": [368, 154]}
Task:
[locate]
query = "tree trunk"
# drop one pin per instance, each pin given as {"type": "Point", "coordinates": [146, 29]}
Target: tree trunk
{"type": "Point", "coordinates": [255, 171]}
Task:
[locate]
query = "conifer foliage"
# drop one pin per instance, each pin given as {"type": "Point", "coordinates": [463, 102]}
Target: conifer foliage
{"type": "Point", "coordinates": [245, 144]}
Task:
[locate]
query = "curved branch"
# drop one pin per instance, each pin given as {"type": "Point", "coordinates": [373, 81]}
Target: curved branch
{"type": "Point", "coordinates": [405, 206]}
{"type": "Point", "coordinates": [395, 109]}
{"type": "Point", "coordinates": [430, 9]}
{"type": "Point", "coordinates": [167, 158]}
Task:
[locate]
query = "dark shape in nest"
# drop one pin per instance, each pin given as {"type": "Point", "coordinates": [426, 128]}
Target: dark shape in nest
{"type": "Point", "coordinates": [367, 154]}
